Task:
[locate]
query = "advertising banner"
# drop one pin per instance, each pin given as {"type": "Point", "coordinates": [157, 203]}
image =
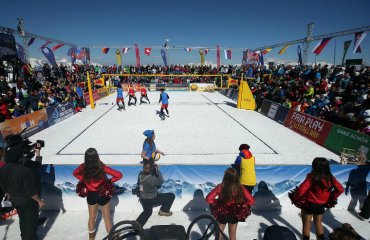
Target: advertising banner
{"type": "Point", "coordinates": [95, 96]}
{"type": "Point", "coordinates": [274, 111]}
{"type": "Point", "coordinates": [191, 184]}
{"type": "Point", "coordinates": [341, 137]}
{"type": "Point", "coordinates": [103, 92]}
{"type": "Point", "coordinates": [313, 128]}
{"type": "Point", "coordinates": [59, 112]}
{"type": "Point", "coordinates": [32, 122]}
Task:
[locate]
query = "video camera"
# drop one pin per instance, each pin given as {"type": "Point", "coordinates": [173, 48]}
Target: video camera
{"type": "Point", "coordinates": [24, 145]}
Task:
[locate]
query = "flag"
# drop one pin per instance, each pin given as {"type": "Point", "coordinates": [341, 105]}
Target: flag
{"type": "Point", "coordinates": [260, 55]}
{"type": "Point", "coordinates": [45, 44]}
{"type": "Point", "coordinates": [320, 46]}
{"type": "Point", "coordinates": [201, 54]}
{"type": "Point", "coordinates": [125, 50]}
{"type": "Point", "coordinates": [20, 53]}
{"type": "Point", "coordinates": [137, 55]}
{"type": "Point", "coordinates": [256, 53]}
{"type": "Point", "coordinates": [266, 51]}
{"type": "Point", "coordinates": [359, 36]}
{"type": "Point", "coordinates": [31, 41]}
{"type": "Point", "coordinates": [283, 49]}
{"type": "Point", "coordinates": [86, 57]}
{"type": "Point", "coordinates": [20, 31]}
{"type": "Point", "coordinates": [118, 57]}
{"type": "Point", "coordinates": [147, 51]}
{"type": "Point", "coordinates": [244, 59]}
{"type": "Point", "coordinates": [345, 49]}
{"type": "Point", "coordinates": [206, 51]}
{"type": "Point", "coordinates": [300, 55]}
{"type": "Point", "coordinates": [187, 49]}
{"type": "Point", "coordinates": [105, 50]}
{"type": "Point", "coordinates": [57, 46]}
{"type": "Point", "coordinates": [218, 57]}
{"type": "Point", "coordinates": [227, 54]}
{"type": "Point", "coordinates": [71, 53]}
{"type": "Point", "coordinates": [164, 56]}
{"type": "Point", "coordinates": [49, 55]}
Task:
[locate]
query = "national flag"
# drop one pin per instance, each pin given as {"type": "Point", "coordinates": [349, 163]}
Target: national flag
{"type": "Point", "coordinates": [187, 49]}
{"type": "Point", "coordinates": [206, 51]}
{"type": "Point", "coordinates": [218, 57]}
{"type": "Point", "coordinates": [283, 49]}
{"type": "Point", "coordinates": [164, 56]}
{"type": "Point", "coordinates": [260, 55]}
{"type": "Point", "coordinates": [359, 36]}
{"type": "Point", "coordinates": [49, 55]}
{"type": "Point", "coordinates": [320, 46]}
{"type": "Point", "coordinates": [20, 31]}
{"type": "Point", "coordinates": [147, 51]}
{"type": "Point", "coordinates": [345, 49]}
{"type": "Point", "coordinates": [45, 44]}
{"type": "Point", "coordinates": [300, 55]}
{"type": "Point", "coordinates": [105, 50]}
{"type": "Point", "coordinates": [20, 53]}
{"type": "Point", "coordinates": [125, 50]}
{"type": "Point", "coordinates": [256, 53]}
{"type": "Point", "coordinates": [57, 46]}
{"type": "Point", "coordinates": [227, 54]}
{"type": "Point", "coordinates": [31, 41]}
{"type": "Point", "coordinates": [201, 54]}
{"type": "Point", "coordinates": [118, 57]}
{"type": "Point", "coordinates": [266, 51]}
{"type": "Point", "coordinates": [137, 51]}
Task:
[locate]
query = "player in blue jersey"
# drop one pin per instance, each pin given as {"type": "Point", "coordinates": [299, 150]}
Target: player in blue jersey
{"type": "Point", "coordinates": [164, 99]}
{"type": "Point", "coordinates": [120, 98]}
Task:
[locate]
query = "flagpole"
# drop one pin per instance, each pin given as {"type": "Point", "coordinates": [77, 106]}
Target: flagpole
{"type": "Point", "coordinates": [335, 49]}
{"type": "Point", "coordinates": [315, 59]}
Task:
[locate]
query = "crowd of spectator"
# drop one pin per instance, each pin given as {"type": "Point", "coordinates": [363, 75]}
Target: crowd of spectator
{"type": "Point", "coordinates": [337, 94]}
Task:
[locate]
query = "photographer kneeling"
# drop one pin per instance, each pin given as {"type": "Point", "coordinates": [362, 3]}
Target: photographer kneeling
{"type": "Point", "coordinates": [150, 179]}
{"type": "Point", "coordinates": [19, 179]}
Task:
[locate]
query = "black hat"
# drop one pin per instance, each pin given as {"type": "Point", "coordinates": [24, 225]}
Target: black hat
{"type": "Point", "coordinates": [244, 147]}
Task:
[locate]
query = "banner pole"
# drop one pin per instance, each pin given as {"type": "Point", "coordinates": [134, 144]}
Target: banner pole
{"type": "Point", "coordinates": [92, 103]}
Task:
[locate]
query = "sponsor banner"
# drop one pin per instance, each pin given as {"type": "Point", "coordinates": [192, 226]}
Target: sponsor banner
{"type": "Point", "coordinates": [95, 94]}
{"type": "Point", "coordinates": [230, 93]}
{"type": "Point", "coordinates": [266, 104]}
{"type": "Point", "coordinates": [204, 86]}
{"type": "Point", "coordinates": [59, 112]}
{"type": "Point", "coordinates": [32, 122]}
{"type": "Point", "coordinates": [274, 111]}
{"type": "Point", "coordinates": [136, 86]}
{"type": "Point", "coordinates": [341, 137]}
{"type": "Point", "coordinates": [313, 128]}
{"type": "Point", "coordinates": [103, 92]}
{"type": "Point", "coordinates": [185, 180]}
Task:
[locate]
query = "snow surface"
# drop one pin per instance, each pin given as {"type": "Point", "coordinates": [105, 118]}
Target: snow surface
{"type": "Point", "coordinates": [203, 128]}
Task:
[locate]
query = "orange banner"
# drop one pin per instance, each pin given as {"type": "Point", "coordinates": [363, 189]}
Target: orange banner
{"type": "Point", "coordinates": [33, 122]}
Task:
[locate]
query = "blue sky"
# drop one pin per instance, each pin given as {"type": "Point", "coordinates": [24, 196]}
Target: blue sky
{"type": "Point", "coordinates": [230, 24]}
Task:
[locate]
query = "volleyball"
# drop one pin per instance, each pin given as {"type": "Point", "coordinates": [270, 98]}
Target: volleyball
{"type": "Point", "coordinates": [156, 156]}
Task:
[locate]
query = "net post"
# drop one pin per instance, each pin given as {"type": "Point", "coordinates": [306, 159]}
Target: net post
{"type": "Point", "coordinates": [92, 103]}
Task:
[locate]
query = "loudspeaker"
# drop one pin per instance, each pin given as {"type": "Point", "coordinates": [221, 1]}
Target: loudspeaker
{"type": "Point", "coordinates": [167, 232]}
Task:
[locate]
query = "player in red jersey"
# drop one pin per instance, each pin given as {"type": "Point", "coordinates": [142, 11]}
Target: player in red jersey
{"type": "Point", "coordinates": [144, 94]}
{"type": "Point", "coordinates": [131, 94]}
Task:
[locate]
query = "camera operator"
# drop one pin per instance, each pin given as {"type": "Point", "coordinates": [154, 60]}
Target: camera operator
{"type": "Point", "coordinates": [20, 180]}
{"type": "Point", "coordinates": [149, 181]}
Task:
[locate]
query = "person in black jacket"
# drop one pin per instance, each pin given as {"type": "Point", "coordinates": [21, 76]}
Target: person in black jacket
{"type": "Point", "coordinates": [19, 181]}
{"type": "Point", "coordinates": [149, 196]}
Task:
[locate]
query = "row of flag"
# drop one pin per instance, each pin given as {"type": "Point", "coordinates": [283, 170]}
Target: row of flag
{"type": "Point", "coordinates": [83, 54]}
